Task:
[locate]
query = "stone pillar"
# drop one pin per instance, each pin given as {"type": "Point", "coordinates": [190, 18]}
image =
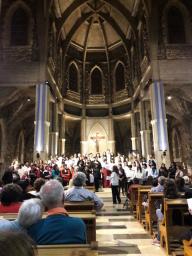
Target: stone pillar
{"type": "Point", "coordinates": [41, 142]}
{"type": "Point", "coordinates": [84, 141]}
{"type": "Point", "coordinates": [134, 138]}
{"type": "Point", "coordinates": [145, 131]}
{"type": "Point", "coordinates": [54, 134]}
{"type": "Point", "coordinates": [62, 136]}
{"type": "Point", "coordinates": [111, 140]}
{"type": "Point", "coordinates": [159, 123]}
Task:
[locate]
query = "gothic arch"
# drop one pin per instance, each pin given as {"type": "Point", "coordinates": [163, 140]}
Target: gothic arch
{"type": "Point", "coordinates": [96, 81]}
{"type": "Point", "coordinates": [176, 144]}
{"type": "Point", "coordinates": [21, 147]}
{"type": "Point", "coordinates": [73, 77]}
{"type": "Point", "coordinates": [119, 76]}
{"type": "Point", "coordinates": [8, 20]}
{"type": "Point", "coordinates": [181, 8]}
{"type": "Point", "coordinates": [97, 130]}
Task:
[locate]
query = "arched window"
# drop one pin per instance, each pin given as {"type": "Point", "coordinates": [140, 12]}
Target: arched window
{"type": "Point", "coordinates": [73, 78]}
{"type": "Point", "coordinates": [96, 82]}
{"type": "Point", "coordinates": [119, 77]}
{"type": "Point", "coordinates": [19, 27]}
{"type": "Point", "coordinates": [175, 26]}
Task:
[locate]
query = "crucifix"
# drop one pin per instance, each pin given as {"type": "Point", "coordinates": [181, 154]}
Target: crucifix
{"type": "Point", "coordinates": [97, 138]}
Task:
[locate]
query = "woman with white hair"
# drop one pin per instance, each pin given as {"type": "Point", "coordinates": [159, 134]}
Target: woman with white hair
{"type": "Point", "coordinates": [30, 212]}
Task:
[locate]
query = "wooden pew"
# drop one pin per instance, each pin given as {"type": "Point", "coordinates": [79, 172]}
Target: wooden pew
{"type": "Point", "coordinates": [91, 188]}
{"type": "Point", "coordinates": [169, 232]}
{"type": "Point", "coordinates": [134, 197]}
{"type": "Point", "coordinates": [89, 217]}
{"type": "Point", "coordinates": [72, 206]}
{"type": "Point", "coordinates": [142, 193]}
{"type": "Point", "coordinates": [187, 247]}
{"type": "Point", "coordinates": [150, 213]}
{"type": "Point", "coordinates": [67, 250]}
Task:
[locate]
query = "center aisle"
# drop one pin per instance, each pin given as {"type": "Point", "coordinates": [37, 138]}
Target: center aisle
{"type": "Point", "coordinates": [119, 233]}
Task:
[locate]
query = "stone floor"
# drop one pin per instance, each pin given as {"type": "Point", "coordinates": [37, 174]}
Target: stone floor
{"type": "Point", "coordinates": [118, 233]}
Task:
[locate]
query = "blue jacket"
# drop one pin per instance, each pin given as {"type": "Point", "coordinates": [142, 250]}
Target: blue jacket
{"type": "Point", "coordinates": [58, 229]}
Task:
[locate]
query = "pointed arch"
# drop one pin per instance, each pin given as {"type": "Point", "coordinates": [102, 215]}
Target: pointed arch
{"type": "Point", "coordinates": [176, 23]}
{"type": "Point", "coordinates": [18, 25]}
{"type": "Point", "coordinates": [119, 76]}
{"type": "Point", "coordinates": [73, 77]}
{"type": "Point", "coordinates": [96, 78]}
{"type": "Point", "coordinates": [97, 137]}
{"type": "Point", "coordinates": [175, 26]}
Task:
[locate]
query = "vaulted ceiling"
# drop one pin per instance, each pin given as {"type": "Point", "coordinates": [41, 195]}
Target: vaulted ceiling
{"type": "Point", "coordinates": [96, 24]}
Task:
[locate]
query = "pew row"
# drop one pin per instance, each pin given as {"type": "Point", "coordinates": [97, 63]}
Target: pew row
{"type": "Point", "coordinates": [133, 195]}
{"type": "Point", "coordinates": [142, 194]}
{"type": "Point", "coordinates": [88, 217]}
{"type": "Point", "coordinates": [174, 225]}
{"type": "Point", "coordinates": [187, 247]}
{"type": "Point", "coordinates": [67, 250]}
{"type": "Point", "coordinates": [72, 206]}
{"type": "Point", "coordinates": [154, 200]}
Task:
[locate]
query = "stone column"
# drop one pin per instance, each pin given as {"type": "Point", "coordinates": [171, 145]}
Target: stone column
{"type": "Point", "coordinates": [159, 123]}
{"type": "Point", "coordinates": [111, 137]}
{"type": "Point", "coordinates": [134, 138]}
{"type": "Point", "coordinates": [145, 131]}
{"type": "Point", "coordinates": [41, 141]}
{"type": "Point", "coordinates": [84, 141]}
{"type": "Point", "coordinates": [54, 135]}
{"type": "Point", "coordinates": [62, 136]}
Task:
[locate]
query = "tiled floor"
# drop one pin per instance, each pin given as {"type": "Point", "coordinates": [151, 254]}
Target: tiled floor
{"type": "Point", "coordinates": [118, 233]}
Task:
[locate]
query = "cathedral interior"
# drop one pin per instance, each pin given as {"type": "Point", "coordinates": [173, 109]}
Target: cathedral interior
{"type": "Point", "coordinates": [94, 75]}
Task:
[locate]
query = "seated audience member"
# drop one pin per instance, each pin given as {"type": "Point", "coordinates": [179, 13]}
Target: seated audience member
{"type": "Point", "coordinates": [79, 193]}
{"type": "Point", "coordinates": [11, 198]}
{"type": "Point", "coordinates": [16, 244]}
{"type": "Point", "coordinates": [58, 227]}
{"type": "Point", "coordinates": [160, 186]}
{"type": "Point", "coordinates": [183, 186]}
{"type": "Point", "coordinates": [179, 172]}
{"type": "Point", "coordinates": [7, 177]}
{"type": "Point", "coordinates": [180, 184]}
{"type": "Point", "coordinates": [170, 192]}
{"type": "Point", "coordinates": [27, 188]}
{"type": "Point", "coordinates": [29, 213]}
{"type": "Point", "coordinates": [151, 182]}
{"type": "Point", "coordinates": [37, 186]}
{"type": "Point", "coordinates": [163, 170]}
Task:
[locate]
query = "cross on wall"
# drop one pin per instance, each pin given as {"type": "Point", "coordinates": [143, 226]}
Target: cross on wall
{"type": "Point", "coordinates": [97, 138]}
